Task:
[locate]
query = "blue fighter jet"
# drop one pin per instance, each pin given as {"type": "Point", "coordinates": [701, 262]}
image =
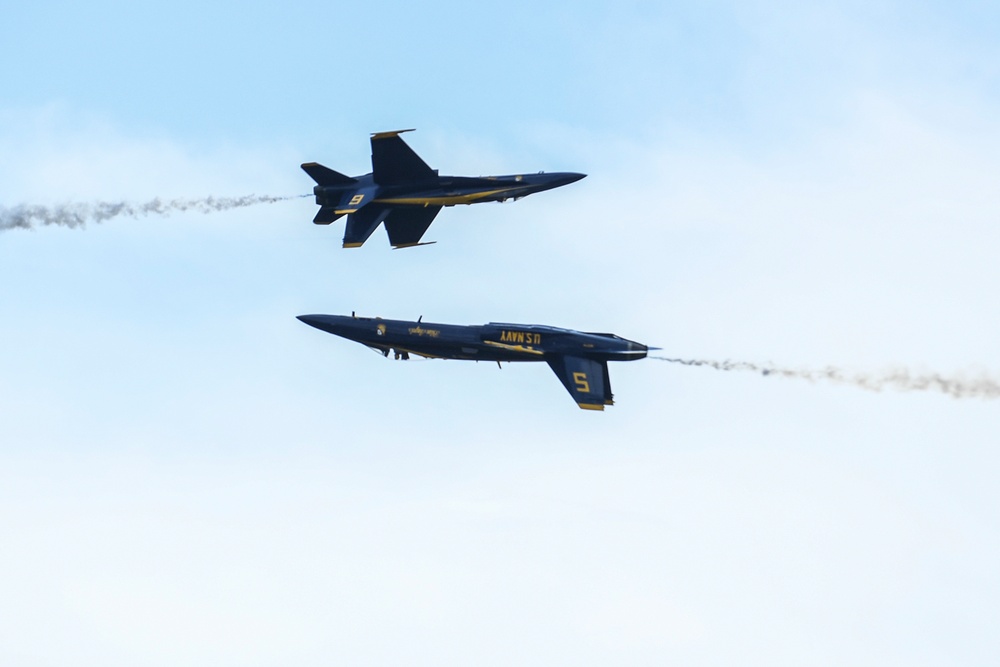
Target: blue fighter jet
{"type": "Point", "coordinates": [579, 360]}
{"type": "Point", "coordinates": [406, 194]}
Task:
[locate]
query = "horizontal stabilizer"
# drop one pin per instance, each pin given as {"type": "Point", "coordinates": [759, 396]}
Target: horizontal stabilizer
{"type": "Point", "coordinates": [326, 215]}
{"type": "Point", "coordinates": [406, 224]}
{"type": "Point", "coordinates": [394, 162]}
{"type": "Point", "coordinates": [586, 380]}
{"type": "Point", "coordinates": [326, 176]}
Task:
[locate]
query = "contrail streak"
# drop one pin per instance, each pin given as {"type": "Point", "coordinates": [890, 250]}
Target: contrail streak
{"type": "Point", "coordinates": [27, 216]}
{"type": "Point", "coordinates": [901, 379]}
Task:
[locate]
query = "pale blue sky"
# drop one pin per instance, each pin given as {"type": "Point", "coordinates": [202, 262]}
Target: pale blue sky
{"type": "Point", "coordinates": [190, 476]}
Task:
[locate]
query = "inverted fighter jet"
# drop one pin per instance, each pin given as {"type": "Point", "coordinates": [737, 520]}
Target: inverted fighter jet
{"type": "Point", "coordinates": [406, 194]}
{"type": "Point", "coordinates": [579, 360]}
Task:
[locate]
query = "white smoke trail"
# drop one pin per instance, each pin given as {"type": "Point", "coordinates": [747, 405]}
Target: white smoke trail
{"type": "Point", "coordinates": [901, 379]}
{"type": "Point", "coordinates": [27, 216]}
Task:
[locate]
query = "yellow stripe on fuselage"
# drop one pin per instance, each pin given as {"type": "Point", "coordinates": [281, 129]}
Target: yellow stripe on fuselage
{"type": "Point", "coordinates": [514, 348]}
{"type": "Point", "coordinates": [447, 200]}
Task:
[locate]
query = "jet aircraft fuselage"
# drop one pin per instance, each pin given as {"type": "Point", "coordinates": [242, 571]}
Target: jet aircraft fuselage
{"type": "Point", "coordinates": [444, 190]}
{"type": "Point", "coordinates": [578, 358]}
{"type": "Point", "coordinates": [406, 194]}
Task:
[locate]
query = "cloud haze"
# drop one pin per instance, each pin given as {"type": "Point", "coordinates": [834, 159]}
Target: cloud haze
{"type": "Point", "coordinates": [191, 476]}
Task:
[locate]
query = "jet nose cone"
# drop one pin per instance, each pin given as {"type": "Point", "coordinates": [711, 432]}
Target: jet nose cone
{"type": "Point", "coordinates": [312, 320]}
{"type": "Point", "coordinates": [334, 324]}
{"type": "Point", "coordinates": [565, 178]}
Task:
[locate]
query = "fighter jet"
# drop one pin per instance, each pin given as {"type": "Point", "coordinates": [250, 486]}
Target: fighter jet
{"type": "Point", "coordinates": [406, 194]}
{"type": "Point", "coordinates": [579, 360]}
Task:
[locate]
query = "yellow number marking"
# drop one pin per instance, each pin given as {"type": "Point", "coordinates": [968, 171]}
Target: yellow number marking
{"type": "Point", "coordinates": [581, 382]}
{"type": "Point", "coordinates": [356, 199]}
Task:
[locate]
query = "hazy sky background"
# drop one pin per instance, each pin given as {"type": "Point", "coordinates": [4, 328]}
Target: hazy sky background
{"type": "Point", "coordinates": [190, 476]}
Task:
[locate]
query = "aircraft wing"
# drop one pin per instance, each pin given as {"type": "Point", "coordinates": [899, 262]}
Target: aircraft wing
{"type": "Point", "coordinates": [394, 162]}
{"type": "Point", "coordinates": [362, 223]}
{"type": "Point", "coordinates": [406, 224]}
{"type": "Point", "coordinates": [586, 380]}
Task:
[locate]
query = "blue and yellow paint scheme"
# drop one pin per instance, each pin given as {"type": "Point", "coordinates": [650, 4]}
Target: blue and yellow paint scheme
{"type": "Point", "coordinates": [579, 359]}
{"type": "Point", "coordinates": [406, 194]}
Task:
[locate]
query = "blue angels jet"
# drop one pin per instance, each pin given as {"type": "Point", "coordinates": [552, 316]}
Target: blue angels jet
{"type": "Point", "coordinates": [579, 360]}
{"type": "Point", "coordinates": [406, 194]}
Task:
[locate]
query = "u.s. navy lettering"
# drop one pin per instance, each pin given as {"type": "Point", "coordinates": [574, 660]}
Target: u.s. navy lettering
{"type": "Point", "coordinates": [523, 337]}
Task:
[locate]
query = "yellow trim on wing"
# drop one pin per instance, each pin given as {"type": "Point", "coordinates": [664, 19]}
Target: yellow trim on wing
{"type": "Point", "coordinates": [390, 133]}
{"type": "Point", "coordinates": [353, 245]}
{"type": "Point", "coordinates": [412, 245]}
{"type": "Point", "coordinates": [514, 348]}
{"type": "Point", "coordinates": [591, 406]}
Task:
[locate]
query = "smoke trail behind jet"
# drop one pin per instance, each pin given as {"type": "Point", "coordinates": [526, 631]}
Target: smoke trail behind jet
{"type": "Point", "coordinates": [900, 379]}
{"type": "Point", "coordinates": [26, 216]}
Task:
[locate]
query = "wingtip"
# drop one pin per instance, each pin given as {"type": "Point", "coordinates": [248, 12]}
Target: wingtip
{"type": "Point", "coordinates": [390, 133]}
{"type": "Point", "coordinates": [412, 245]}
